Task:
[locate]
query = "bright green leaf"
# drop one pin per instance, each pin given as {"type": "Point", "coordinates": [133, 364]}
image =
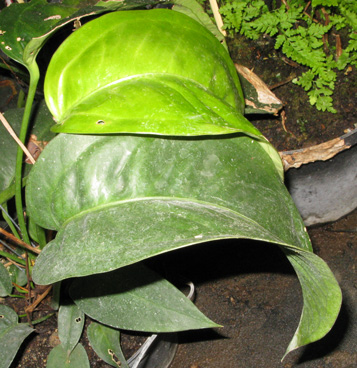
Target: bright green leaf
{"type": "Point", "coordinates": [135, 298]}
{"type": "Point", "coordinates": [77, 359]}
{"type": "Point", "coordinates": [105, 342]}
{"type": "Point", "coordinates": [5, 281]}
{"type": "Point", "coordinates": [70, 326]}
{"type": "Point", "coordinates": [166, 74]}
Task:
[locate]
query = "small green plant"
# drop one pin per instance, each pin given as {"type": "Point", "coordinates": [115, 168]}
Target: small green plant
{"type": "Point", "coordinates": [306, 32]}
{"type": "Point", "coordinates": [150, 152]}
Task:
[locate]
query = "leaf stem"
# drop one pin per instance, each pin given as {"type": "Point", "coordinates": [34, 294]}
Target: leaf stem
{"type": "Point", "coordinates": [34, 78]}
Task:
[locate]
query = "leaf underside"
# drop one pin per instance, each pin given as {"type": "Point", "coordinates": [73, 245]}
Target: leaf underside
{"type": "Point", "coordinates": [135, 298]}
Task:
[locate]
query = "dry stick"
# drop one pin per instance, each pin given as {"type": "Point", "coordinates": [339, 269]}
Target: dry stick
{"type": "Point", "coordinates": [38, 300]}
{"type": "Point", "coordinates": [217, 16]}
{"type": "Point", "coordinates": [11, 262]}
{"type": "Point", "coordinates": [19, 242]}
{"type": "Point", "coordinates": [13, 135]}
{"type": "Point", "coordinates": [29, 296]}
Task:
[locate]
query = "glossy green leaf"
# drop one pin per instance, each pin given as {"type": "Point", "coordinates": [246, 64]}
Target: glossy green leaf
{"type": "Point", "coordinates": [105, 342]}
{"type": "Point", "coordinates": [25, 27]}
{"type": "Point", "coordinates": [136, 298]}
{"type": "Point", "coordinates": [166, 74]}
{"type": "Point", "coordinates": [77, 359]}
{"type": "Point", "coordinates": [12, 334]}
{"type": "Point", "coordinates": [41, 123]}
{"type": "Point", "coordinates": [5, 281]}
{"type": "Point", "coordinates": [70, 326]}
{"type": "Point", "coordinates": [116, 200]}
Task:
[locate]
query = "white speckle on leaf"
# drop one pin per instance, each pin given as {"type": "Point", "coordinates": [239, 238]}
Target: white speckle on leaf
{"type": "Point", "coordinates": [8, 48]}
{"type": "Point", "coordinates": [18, 39]}
{"type": "Point", "coordinates": [199, 236]}
{"type": "Point", "coordinates": [2, 32]}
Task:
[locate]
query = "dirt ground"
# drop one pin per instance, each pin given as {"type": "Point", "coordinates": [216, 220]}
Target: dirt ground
{"type": "Point", "coordinates": [249, 287]}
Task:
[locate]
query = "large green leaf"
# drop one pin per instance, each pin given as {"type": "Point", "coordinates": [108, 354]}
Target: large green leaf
{"type": "Point", "coordinates": [136, 298]}
{"type": "Point", "coordinates": [166, 74]}
{"type": "Point", "coordinates": [116, 200]}
{"type": "Point", "coordinates": [82, 178]}
{"type": "Point", "coordinates": [12, 334]}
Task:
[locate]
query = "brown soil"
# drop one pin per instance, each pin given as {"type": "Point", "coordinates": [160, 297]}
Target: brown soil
{"type": "Point", "coordinates": [251, 289]}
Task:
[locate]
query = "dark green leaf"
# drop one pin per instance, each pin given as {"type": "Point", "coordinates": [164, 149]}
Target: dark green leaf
{"type": "Point", "coordinates": [105, 342]}
{"type": "Point", "coordinates": [321, 294]}
{"type": "Point", "coordinates": [135, 298]}
{"type": "Point", "coordinates": [8, 317]}
{"type": "Point", "coordinates": [77, 359]}
{"type": "Point", "coordinates": [25, 27]}
{"type": "Point", "coordinates": [119, 199]}
{"type": "Point", "coordinates": [5, 281]}
{"type": "Point", "coordinates": [18, 275]}
{"type": "Point", "coordinates": [12, 334]}
{"type": "Point", "coordinates": [70, 326]}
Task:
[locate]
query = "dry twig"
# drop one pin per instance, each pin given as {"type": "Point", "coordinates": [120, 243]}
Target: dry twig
{"type": "Point", "coordinates": [19, 242]}
{"type": "Point", "coordinates": [38, 300]}
{"type": "Point", "coordinates": [217, 16]}
{"type": "Point", "coordinates": [17, 140]}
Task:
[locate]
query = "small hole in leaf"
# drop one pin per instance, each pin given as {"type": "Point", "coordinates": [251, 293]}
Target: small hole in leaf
{"type": "Point", "coordinates": [100, 122]}
{"type": "Point", "coordinates": [78, 319]}
{"type": "Point", "coordinates": [2, 316]}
